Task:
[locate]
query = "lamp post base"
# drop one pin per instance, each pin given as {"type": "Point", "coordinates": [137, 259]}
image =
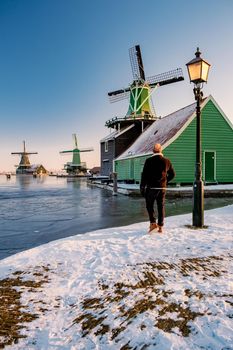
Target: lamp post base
{"type": "Point", "coordinates": [198, 204]}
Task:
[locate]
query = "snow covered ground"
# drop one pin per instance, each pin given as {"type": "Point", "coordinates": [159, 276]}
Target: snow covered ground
{"type": "Point", "coordinates": [129, 188]}
{"type": "Point", "coordinates": [221, 187]}
{"type": "Point", "coordinates": [122, 288]}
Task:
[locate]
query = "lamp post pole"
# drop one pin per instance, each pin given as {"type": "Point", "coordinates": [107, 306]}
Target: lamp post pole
{"type": "Point", "coordinates": [198, 70]}
{"type": "Point", "coordinates": [198, 188]}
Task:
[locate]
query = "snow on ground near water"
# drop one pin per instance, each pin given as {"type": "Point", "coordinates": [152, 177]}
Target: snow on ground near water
{"type": "Point", "coordinates": [182, 188]}
{"type": "Point", "coordinates": [121, 288]}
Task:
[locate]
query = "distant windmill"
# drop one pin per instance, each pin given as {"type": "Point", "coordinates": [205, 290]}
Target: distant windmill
{"type": "Point", "coordinates": [140, 90]}
{"type": "Point", "coordinates": [24, 164]}
{"type": "Point", "coordinates": [76, 167]}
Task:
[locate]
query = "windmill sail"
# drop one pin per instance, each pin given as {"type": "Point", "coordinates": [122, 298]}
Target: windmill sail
{"type": "Point", "coordinates": [136, 63]}
{"type": "Point", "coordinates": [137, 71]}
{"type": "Point", "coordinates": [169, 77]}
{"type": "Point", "coordinates": [115, 96]}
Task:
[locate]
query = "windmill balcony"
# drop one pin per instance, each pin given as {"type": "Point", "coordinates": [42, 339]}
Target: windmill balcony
{"type": "Point", "coordinates": [112, 123]}
{"type": "Point", "coordinates": [81, 164]}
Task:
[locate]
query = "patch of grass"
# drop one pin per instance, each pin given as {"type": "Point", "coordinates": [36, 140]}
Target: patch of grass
{"type": "Point", "coordinates": [197, 293]}
{"type": "Point", "coordinates": [196, 228]}
{"type": "Point", "coordinates": [89, 322]}
{"type": "Point", "coordinates": [139, 307]}
{"type": "Point", "coordinates": [116, 331]}
{"type": "Point", "coordinates": [13, 314]}
{"type": "Point", "coordinates": [184, 315]}
{"type": "Point", "coordinates": [199, 265]}
{"type": "Point", "coordinates": [148, 293]}
{"type": "Point", "coordinates": [126, 346]}
{"type": "Point", "coordinates": [92, 303]}
{"type": "Point", "coordinates": [104, 328]}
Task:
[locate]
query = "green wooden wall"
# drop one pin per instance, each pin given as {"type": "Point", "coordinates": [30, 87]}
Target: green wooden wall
{"type": "Point", "coordinates": [130, 169]}
{"type": "Point", "coordinates": [217, 136]}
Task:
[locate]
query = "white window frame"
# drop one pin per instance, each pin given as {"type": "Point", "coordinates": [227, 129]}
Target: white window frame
{"type": "Point", "coordinates": [106, 146]}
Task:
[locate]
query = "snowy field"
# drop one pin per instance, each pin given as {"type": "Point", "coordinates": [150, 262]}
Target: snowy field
{"type": "Point", "coordinates": [122, 288]}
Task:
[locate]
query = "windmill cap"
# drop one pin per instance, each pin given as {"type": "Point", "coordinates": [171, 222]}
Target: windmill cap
{"type": "Point", "coordinates": [157, 148]}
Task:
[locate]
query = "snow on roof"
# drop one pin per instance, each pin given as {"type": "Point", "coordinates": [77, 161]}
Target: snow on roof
{"type": "Point", "coordinates": [161, 131]}
{"type": "Point", "coordinates": [35, 166]}
{"type": "Point", "coordinates": [116, 133]}
{"type": "Point", "coordinates": [110, 136]}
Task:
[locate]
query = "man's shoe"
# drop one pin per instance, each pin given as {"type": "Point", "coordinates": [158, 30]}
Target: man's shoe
{"type": "Point", "coordinates": [152, 227]}
{"type": "Point", "coordinates": [160, 229]}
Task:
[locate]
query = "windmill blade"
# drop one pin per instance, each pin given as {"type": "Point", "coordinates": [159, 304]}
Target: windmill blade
{"type": "Point", "coordinates": [119, 95]}
{"type": "Point", "coordinates": [71, 151]}
{"type": "Point", "coordinates": [75, 164]}
{"type": "Point", "coordinates": [138, 73]}
{"type": "Point", "coordinates": [86, 149]}
{"type": "Point", "coordinates": [136, 63]}
{"type": "Point", "coordinates": [169, 77]}
{"type": "Point", "coordinates": [76, 150]}
{"type": "Point", "coordinates": [26, 153]}
{"type": "Point", "coordinates": [117, 92]}
{"type": "Point", "coordinates": [75, 140]}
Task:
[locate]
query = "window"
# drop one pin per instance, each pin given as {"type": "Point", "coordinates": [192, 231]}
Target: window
{"type": "Point", "coordinates": [106, 146]}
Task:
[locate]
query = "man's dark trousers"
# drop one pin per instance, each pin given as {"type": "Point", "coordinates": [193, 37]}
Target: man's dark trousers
{"type": "Point", "coordinates": [151, 196]}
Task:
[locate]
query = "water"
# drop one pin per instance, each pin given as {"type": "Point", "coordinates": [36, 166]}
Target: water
{"type": "Point", "coordinates": [35, 211]}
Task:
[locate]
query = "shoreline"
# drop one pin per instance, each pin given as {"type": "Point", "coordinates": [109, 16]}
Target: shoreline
{"type": "Point", "coordinates": [210, 191]}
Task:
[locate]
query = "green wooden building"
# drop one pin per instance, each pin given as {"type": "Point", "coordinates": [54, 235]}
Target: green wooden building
{"type": "Point", "coordinates": [177, 135]}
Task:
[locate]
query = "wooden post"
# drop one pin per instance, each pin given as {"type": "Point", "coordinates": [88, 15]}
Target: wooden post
{"type": "Point", "coordinates": [114, 179]}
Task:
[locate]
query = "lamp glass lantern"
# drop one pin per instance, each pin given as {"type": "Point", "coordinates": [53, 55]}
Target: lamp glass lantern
{"type": "Point", "coordinates": [198, 69]}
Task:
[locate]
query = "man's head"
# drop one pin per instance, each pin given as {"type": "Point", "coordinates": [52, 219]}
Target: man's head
{"type": "Point", "coordinates": [157, 148]}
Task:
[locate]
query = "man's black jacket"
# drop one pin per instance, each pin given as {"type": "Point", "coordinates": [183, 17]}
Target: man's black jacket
{"type": "Point", "coordinates": [157, 172]}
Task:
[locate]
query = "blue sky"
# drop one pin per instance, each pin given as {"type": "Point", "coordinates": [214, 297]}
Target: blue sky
{"type": "Point", "coordinates": [59, 58]}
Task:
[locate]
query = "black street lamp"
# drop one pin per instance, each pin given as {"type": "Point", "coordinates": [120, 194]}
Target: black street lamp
{"type": "Point", "coordinates": [198, 70]}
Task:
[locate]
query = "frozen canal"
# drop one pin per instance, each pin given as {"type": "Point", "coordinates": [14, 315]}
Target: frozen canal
{"type": "Point", "coordinates": [35, 211]}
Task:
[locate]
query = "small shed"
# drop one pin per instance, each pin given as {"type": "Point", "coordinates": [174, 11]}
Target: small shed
{"type": "Point", "coordinates": [177, 134]}
{"type": "Point", "coordinates": [38, 169]}
{"type": "Point", "coordinates": [95, 170]}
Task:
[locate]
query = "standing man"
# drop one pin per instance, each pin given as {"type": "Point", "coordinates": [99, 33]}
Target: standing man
{"type": "Point", "coordinates": [156, 173]}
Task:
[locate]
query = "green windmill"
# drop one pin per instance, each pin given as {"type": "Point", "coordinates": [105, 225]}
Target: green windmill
{"type": "Point", "coordinates": [139, 92]}
{"type": "Point", "coordinates": [76, 167]}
